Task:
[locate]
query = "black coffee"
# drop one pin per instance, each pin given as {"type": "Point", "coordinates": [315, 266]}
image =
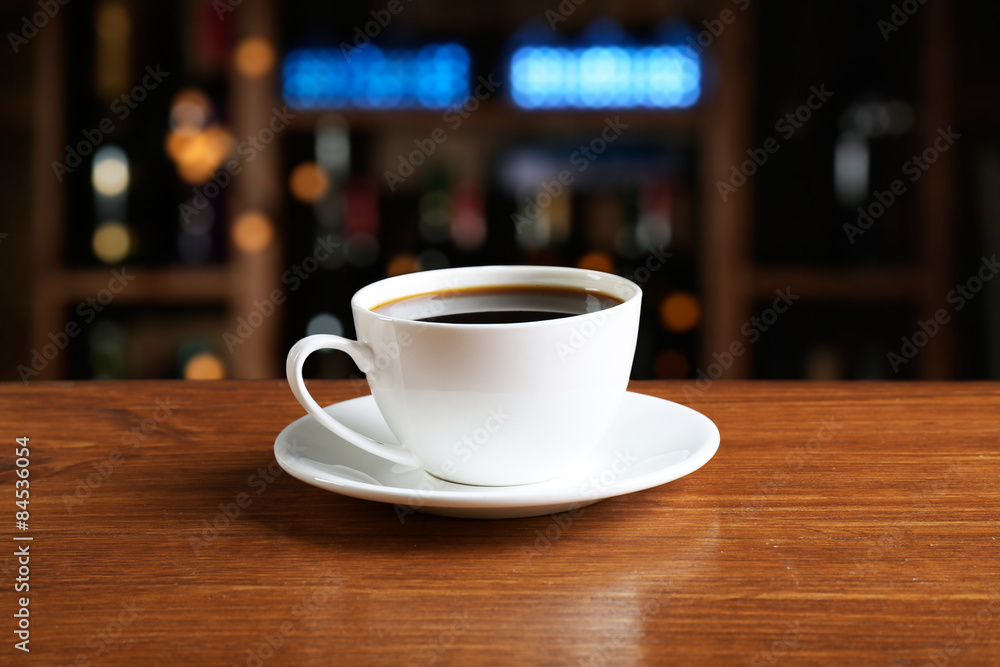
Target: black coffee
{"type": "Point", "coordinates": [497, 305]}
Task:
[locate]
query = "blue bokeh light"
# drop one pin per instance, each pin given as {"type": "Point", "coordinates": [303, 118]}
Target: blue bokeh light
{"type": "Point", "coordinates": [434, 77]}
{"type": "Point", "coordinates": [544, 77]}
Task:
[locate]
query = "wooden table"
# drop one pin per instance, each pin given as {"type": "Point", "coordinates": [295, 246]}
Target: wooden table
{"type": "Point", "coordinates": [838, 523]}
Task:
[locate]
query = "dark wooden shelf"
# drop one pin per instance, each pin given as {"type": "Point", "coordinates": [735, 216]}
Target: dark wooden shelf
{"type": "Point", "coordinates": [457, 16]}
{"type": "Point", "coordinates": [237, 286]}
{"type": "Point", "coordinates": [720, 128]}
{"type": "Point", "coordinates": [503, 116]}
{"type": "Point", "coordinates": [166, 285]}
{"type": "Point", "coordinates": [847, 284]}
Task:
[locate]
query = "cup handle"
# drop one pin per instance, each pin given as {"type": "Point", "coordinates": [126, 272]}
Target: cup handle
{"type": "Point", "coordinates": [362, 356]}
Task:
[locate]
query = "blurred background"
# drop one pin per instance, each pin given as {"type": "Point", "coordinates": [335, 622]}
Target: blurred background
{"type": "Point", "coordinates": [803, 190]}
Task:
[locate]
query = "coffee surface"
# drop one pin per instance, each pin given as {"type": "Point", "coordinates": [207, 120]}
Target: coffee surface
{"type": "Point", "coordinates": [497, 305]}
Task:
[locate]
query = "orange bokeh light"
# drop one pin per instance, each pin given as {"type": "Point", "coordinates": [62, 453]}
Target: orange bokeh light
{"type": "Point", "coordinates": [596, 261]}
{"type": "Point", "coordinates": [680, 312]}
{"type": "Point", "coordinates": [190, 109]}
{"type": "Point", "coordinates": [252, 232]}
{"type": "Point", "coordinates": [198, 153]}
{"type": "Point", "coordinates": [254, 57]}
{"type": "Point", "coordinates": [402, 263]}
{"type": "Point", "coordinates": [308, 182]}
{"type": "Point", "coordinates": [204, 366]}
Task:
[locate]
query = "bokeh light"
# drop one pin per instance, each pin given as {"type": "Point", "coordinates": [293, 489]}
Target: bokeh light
{"type": "Point", "coordinates": [112, 21]}
{"type": "Point", "coordinates": [109, 174]}
{"type": "Point", "coordinates": [333, 145]}
{"type": "Point", "coordinates": [627, 242]}
{"type": "Point", "coordinates": [605, 77]}
{"type": "Point", "coordinates": [433, 77]}
{"type": "Point", "coordinates": [111, 242]}
{"type": "Point", "coordinates": [435, 216]}
{"type": "Point", "coordinates": [468, 230]}
{"type": "Point", "coordinates": [560, 217]}
{"type": "Point", "coordinates": [198, 153]}
{"type": "Point", "coordinates": [680, 312]}
{"type": "Point", "coordinates": [308, 182]}
{"type": "Point", "coordinates": [252, 232]}
{"type": "Point", "coordinates": [108, 345]}
{"type": "Point", "coordinates": [654, 229]}
{"type": "Point", "coordinates": [325, 323]}
{"type": "Point", "coordinates": [402, 263]}
{"type": "Point", "coordinates": [254, 57]}
{"type": "Point", "coordinates": [468, 222]}
{"type": "Point", "coordinates": [190, 109]}
{"type": "Point", "coordinates": [112, 52]}
{"type": "Point", "coordinates": [361, 213]}
{"type": "Point", "coordinates": [596, 261]}
{"type": "Point", "coordinates": [204, 366]}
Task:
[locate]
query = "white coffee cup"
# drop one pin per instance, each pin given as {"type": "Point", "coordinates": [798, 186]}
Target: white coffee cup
{"type": "Point", "coordinates": [486, 404]}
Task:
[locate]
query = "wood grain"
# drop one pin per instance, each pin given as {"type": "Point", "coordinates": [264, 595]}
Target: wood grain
{"type": "Point", "coordinates": [838, 524]}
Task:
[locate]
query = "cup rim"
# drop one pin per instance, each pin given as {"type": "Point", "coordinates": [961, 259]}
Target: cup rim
{"type": "Point", "coordinates": [363, 301]}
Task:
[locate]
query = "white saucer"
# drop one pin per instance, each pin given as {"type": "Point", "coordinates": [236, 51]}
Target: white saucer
{"type": "Point", "coordinates": [651, 442]}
